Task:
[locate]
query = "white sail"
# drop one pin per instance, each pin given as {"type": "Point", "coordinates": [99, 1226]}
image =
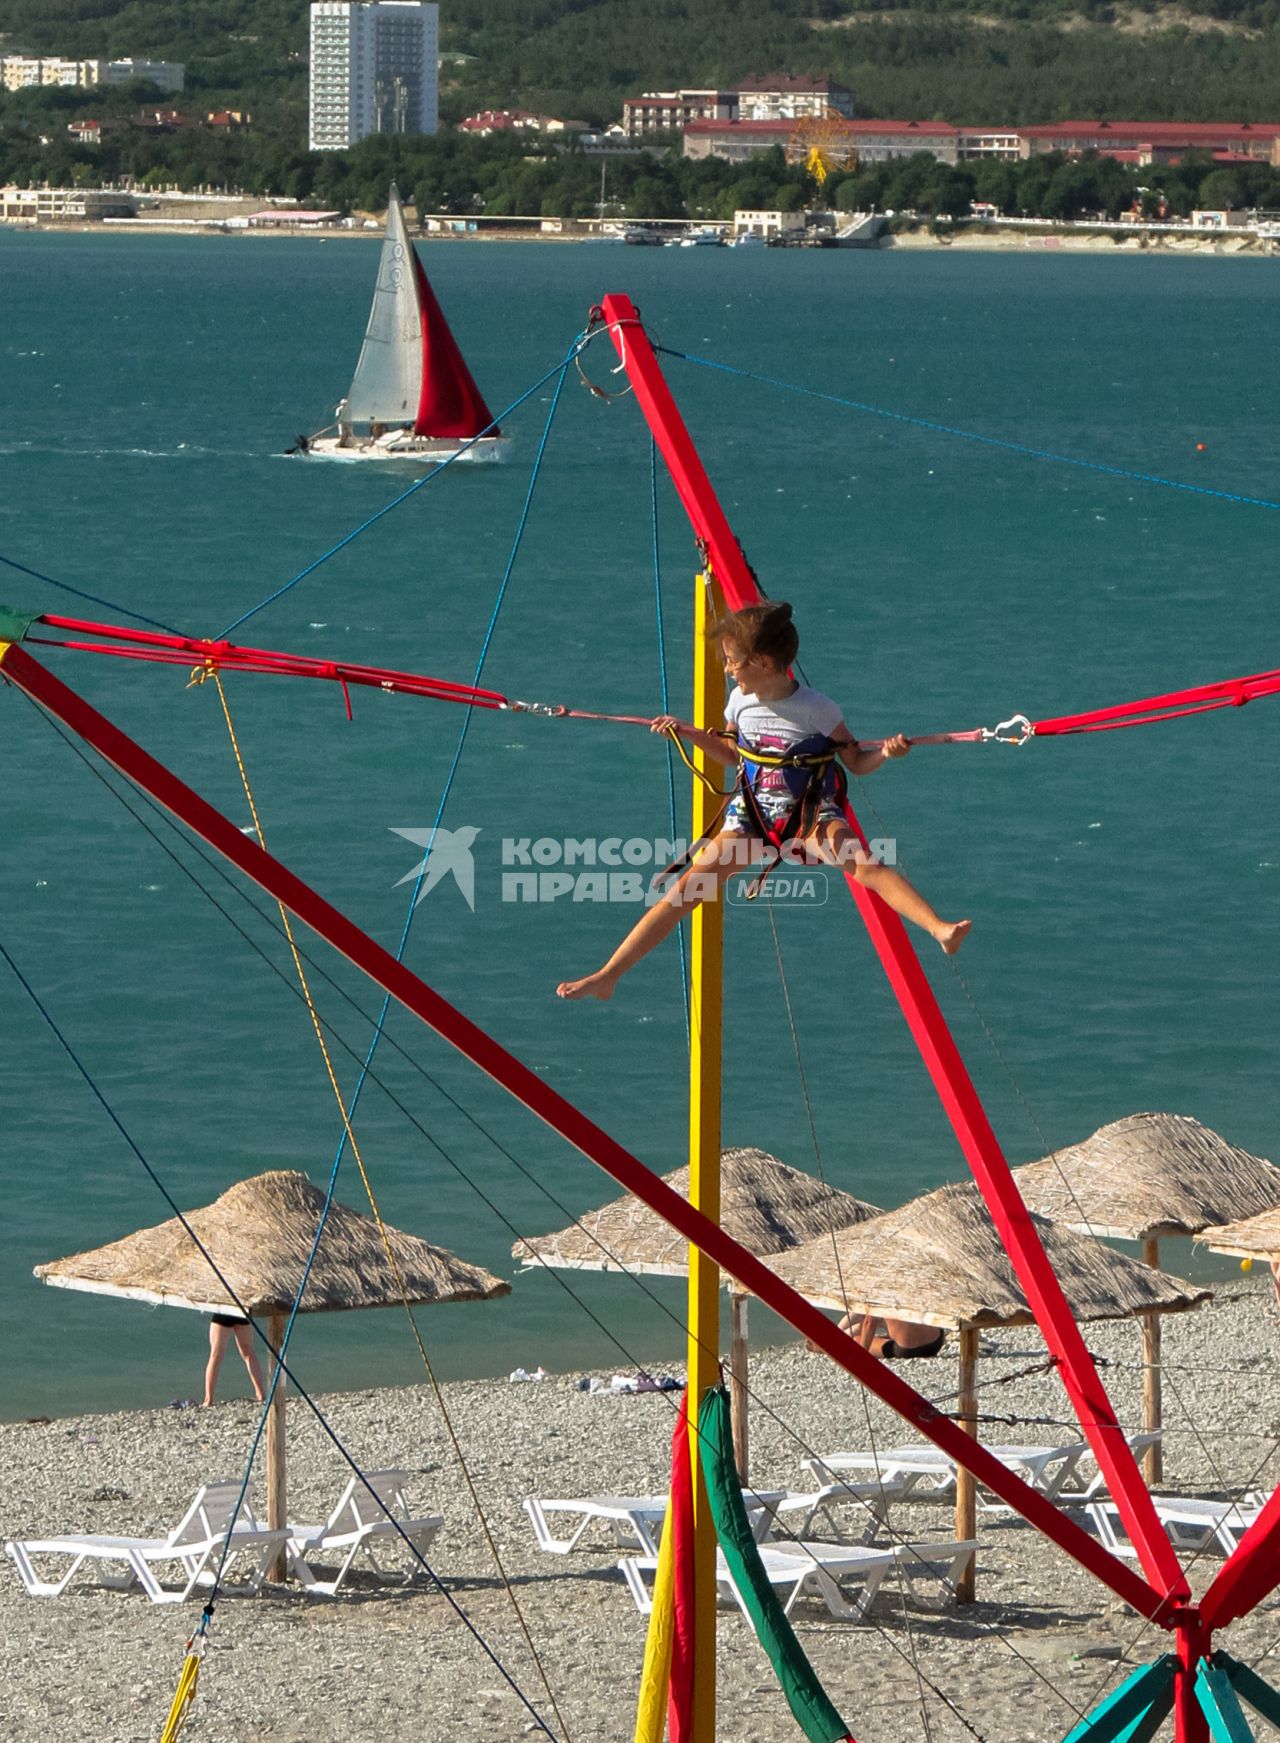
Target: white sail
{"type": "Point", "coordinates": [388, 378]}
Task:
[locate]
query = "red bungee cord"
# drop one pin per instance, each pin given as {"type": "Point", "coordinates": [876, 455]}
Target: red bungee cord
{"type": "Point", "coordinates": [205, 656]}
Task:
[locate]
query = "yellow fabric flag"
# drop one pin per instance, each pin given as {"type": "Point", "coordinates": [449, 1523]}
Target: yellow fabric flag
{"type": "Point", "coordinates": [651, 1708]}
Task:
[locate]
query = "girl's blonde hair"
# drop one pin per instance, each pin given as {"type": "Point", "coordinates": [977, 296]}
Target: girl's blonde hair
{"type": "Point", "coordinates": [761, 632]}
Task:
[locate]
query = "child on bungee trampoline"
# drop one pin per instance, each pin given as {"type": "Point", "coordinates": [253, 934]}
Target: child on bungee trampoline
{"type": "Point", "coordinates": [791, 739]}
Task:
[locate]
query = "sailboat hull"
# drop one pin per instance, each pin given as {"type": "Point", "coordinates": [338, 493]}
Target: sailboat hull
{"type": "Point", "coordinates": [402, 448]}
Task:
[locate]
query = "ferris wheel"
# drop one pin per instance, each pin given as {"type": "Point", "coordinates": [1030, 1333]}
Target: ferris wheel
{"type": "Point", "coordinates": [823, 144]}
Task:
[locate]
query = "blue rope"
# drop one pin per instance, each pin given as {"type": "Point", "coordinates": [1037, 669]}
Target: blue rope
{"type": "Point", "coordinates": [91, 597]}
{"type": "Point", "coordinates": [1011, 447]}
{"type": "Point", "coordinates": [331, 1186]}
{"type": "Point", "coordinates": [323, 1421]}
{"type": "Point", "coordinates": [578, 344]}
{"type": "Point", "coordinates": [468, 713]}
{"type": "Point", "coordinates": [666, 704]}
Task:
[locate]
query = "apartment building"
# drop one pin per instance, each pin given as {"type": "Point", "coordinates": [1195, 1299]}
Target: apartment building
{"type": "Point", "coordinates": [61, 205]}
{"type": "Point", "coordinates": [169, 75]}
{"type": "Point", "coordinates": [672, 111]}
{"type": "Point", "coordinates": [791, 97]}
{"type": "Point", "coordinates": [373, 70]}
{"type": "Point", "coordinates": [21, 72]}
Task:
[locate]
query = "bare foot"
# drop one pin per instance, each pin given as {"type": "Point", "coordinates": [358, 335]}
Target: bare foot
{"type": "Point", "coordinates": [594, 986]}
{"type": "Point", "coordinates": [952, 937]}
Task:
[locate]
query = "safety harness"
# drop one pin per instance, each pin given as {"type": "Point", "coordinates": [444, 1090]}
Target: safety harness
{"type": "Point", "coordinates": [801, 816]}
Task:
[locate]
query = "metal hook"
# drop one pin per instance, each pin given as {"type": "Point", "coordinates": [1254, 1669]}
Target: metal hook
{"type": "Point", "coordinates": [1005, 734]}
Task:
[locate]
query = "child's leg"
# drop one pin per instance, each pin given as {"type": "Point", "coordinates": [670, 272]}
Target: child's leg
{"type": "Point", "coordinates": [841, 847]}
{"type": "Point", "coordinates": [244, 1343]}
{"type": "Point", "coordinates": [713, 865]}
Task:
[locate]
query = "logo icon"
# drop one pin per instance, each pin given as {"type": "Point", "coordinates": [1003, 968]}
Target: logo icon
{"type": "Point", "coordinates": [447, 851]}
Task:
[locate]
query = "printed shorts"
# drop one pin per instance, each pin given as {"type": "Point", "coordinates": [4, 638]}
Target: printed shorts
{"type": "Point", "coordinates": [776, 807]}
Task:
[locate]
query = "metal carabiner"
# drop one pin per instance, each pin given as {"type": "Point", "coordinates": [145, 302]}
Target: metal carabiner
{"type": "Point", "coordinates": [1004, 733]}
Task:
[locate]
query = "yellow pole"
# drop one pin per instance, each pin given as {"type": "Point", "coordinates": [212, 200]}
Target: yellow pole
{"type": "Point", "coordinates": [705, 1000]}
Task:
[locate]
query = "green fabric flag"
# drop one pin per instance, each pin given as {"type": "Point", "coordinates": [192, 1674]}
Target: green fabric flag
{"type": "Point", "coordinates": [812, 1711]}
{"type": "Point", "coordinates": [15, 624]}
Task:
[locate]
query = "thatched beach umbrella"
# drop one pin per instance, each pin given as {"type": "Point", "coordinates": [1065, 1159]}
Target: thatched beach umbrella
{"type": "Point", "coordinates": [1255, 1237]}
{"type": "Point", "coordinates": [259, 1234]}
{"type": "Point", "coordinates": [1145, 1178]}
{"type": "Point", "coordinates": [766, 1207]}
{"type": "Point", "coordinates": [939, 1261]}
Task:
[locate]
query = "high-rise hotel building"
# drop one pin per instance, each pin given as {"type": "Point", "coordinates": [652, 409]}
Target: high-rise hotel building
{"type": "Point", "coordinates": [373, 70]}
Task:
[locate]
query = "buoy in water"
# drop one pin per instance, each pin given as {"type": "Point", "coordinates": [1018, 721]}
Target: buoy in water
{"type": "Point", "coordinates": [1200, 448]}
{"type": "Point", "coordinates": [1246, 1264]}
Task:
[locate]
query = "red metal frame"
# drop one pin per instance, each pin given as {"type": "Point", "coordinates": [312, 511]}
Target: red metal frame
{"type": "Point", "coordinates": [964, 1108]}
{"type": "Point", "coordinates": [920, 1007]}
{"type": "Point", "coordinates": [536, 1094]}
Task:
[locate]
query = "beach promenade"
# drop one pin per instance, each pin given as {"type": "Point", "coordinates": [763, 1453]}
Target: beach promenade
{"type": "Point", "coordinates": [1042, 1643]}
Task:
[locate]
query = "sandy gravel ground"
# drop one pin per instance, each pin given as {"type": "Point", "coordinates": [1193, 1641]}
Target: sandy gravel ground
{"type": "Point", "coordinates": [1042, 1643]}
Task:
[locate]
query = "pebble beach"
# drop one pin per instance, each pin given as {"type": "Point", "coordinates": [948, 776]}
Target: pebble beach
{"type": "Point", "coordinates": [1042, 1643]}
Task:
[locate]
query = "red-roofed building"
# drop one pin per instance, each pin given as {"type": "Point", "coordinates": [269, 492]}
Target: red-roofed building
{"type": "Point", "coordinates": [159, 121]}
{"type": "Point", "coordinates": [876, 141]}
{"type": "Point", "coordinates": [490, 121]}
{"type": "Point", "coordinates": [228, 120]}
{"type": "Point", "coordinates": [1155, 141]}
{"type": "Point", "coordinates": [89, 132]}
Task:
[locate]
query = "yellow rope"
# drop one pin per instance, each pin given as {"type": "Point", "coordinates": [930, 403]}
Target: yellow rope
{"type": "Point", "coordinates": [708, 783]}
{"type": "Point", "coordinates": [198, 677]}
{"type": "Point", "coordinates": [186, 1690]}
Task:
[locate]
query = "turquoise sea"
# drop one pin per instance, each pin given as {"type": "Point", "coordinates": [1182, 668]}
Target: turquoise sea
{"type": "Point", "coordinates": [1125, 888]}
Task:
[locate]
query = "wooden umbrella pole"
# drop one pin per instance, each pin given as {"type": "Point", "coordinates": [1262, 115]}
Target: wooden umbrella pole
{"type": "Point", "coordinates": [966, 1488]}
{"type": "Point", "coordinates": [738, 1391]}
{"type": "Point", "coordinates": [1152, 1395]}
{"type": "Point", "coordinates": [276, 1487]}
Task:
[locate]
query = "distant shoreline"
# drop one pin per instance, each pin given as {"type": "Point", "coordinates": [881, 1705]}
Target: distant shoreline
{"type": "Point", "coordinates": [1214, 243]}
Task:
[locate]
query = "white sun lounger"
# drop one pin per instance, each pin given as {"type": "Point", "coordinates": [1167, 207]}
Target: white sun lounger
{"type": "Point", "coordinates": [864, 1504]}
{"type": "Point", "coordinates": [1083, 1486]}
{"type": "Point", "coordinates": [797, 1569]}
{"type": "Point", "coordinates": [195, 1544]}
{"type": "Point", "coordinates": [1050, 1469]}
{"type": "Point", "coordinates": [359, 1525]}
{"type": "Point", "coordinates": [634, 1519]}
{"type": "Point", "coordinates": [1190, 1521]}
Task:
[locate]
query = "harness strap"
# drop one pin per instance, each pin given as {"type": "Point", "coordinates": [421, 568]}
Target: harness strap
{"type": "Point", "coordinates": [801, 818]}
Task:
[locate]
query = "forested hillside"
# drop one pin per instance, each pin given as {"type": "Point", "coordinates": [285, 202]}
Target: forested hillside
{"type": "Point", "coordinates": [1014, 61]}
{"type": "Point", "coordinates": [961, 60]}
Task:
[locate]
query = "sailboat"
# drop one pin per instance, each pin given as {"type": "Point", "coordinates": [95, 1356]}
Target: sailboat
{"type": "Point", "coordinates": [412, 397]}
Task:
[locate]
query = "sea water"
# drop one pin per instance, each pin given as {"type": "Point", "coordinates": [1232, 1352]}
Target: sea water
{"type": "Point", "coordinates": [947, 571]}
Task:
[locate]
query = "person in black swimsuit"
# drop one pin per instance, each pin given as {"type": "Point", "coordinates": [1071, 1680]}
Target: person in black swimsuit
{"type": "Point", "coordinates": [222, 1328]}
{"type": "Point", "coordinates": [893, 1340]}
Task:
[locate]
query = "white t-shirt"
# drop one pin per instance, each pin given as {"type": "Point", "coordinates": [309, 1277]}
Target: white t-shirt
{"type": "Point", "coordinates": [800, 724]}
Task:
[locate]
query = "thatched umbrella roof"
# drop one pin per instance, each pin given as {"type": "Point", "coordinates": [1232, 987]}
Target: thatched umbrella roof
{"type": "Point", "coordinates": [260, 1233]}
{"type": "Point", "coordinates": [1256, 1237]}
{"type": "Point", "coordinates": [766, 1207]}
{"type": "Point", "coordinates": [939, 1261]}
{"type": "Point", "coordinates": [1148, 1176]}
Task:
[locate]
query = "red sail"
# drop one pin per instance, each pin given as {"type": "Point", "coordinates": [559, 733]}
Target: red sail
{"type": "Point", "coordinates": [451, 404]}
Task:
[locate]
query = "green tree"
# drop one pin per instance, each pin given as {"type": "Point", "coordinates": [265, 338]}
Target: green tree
{"type": "Point", "coordinates": [1222, 190]}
